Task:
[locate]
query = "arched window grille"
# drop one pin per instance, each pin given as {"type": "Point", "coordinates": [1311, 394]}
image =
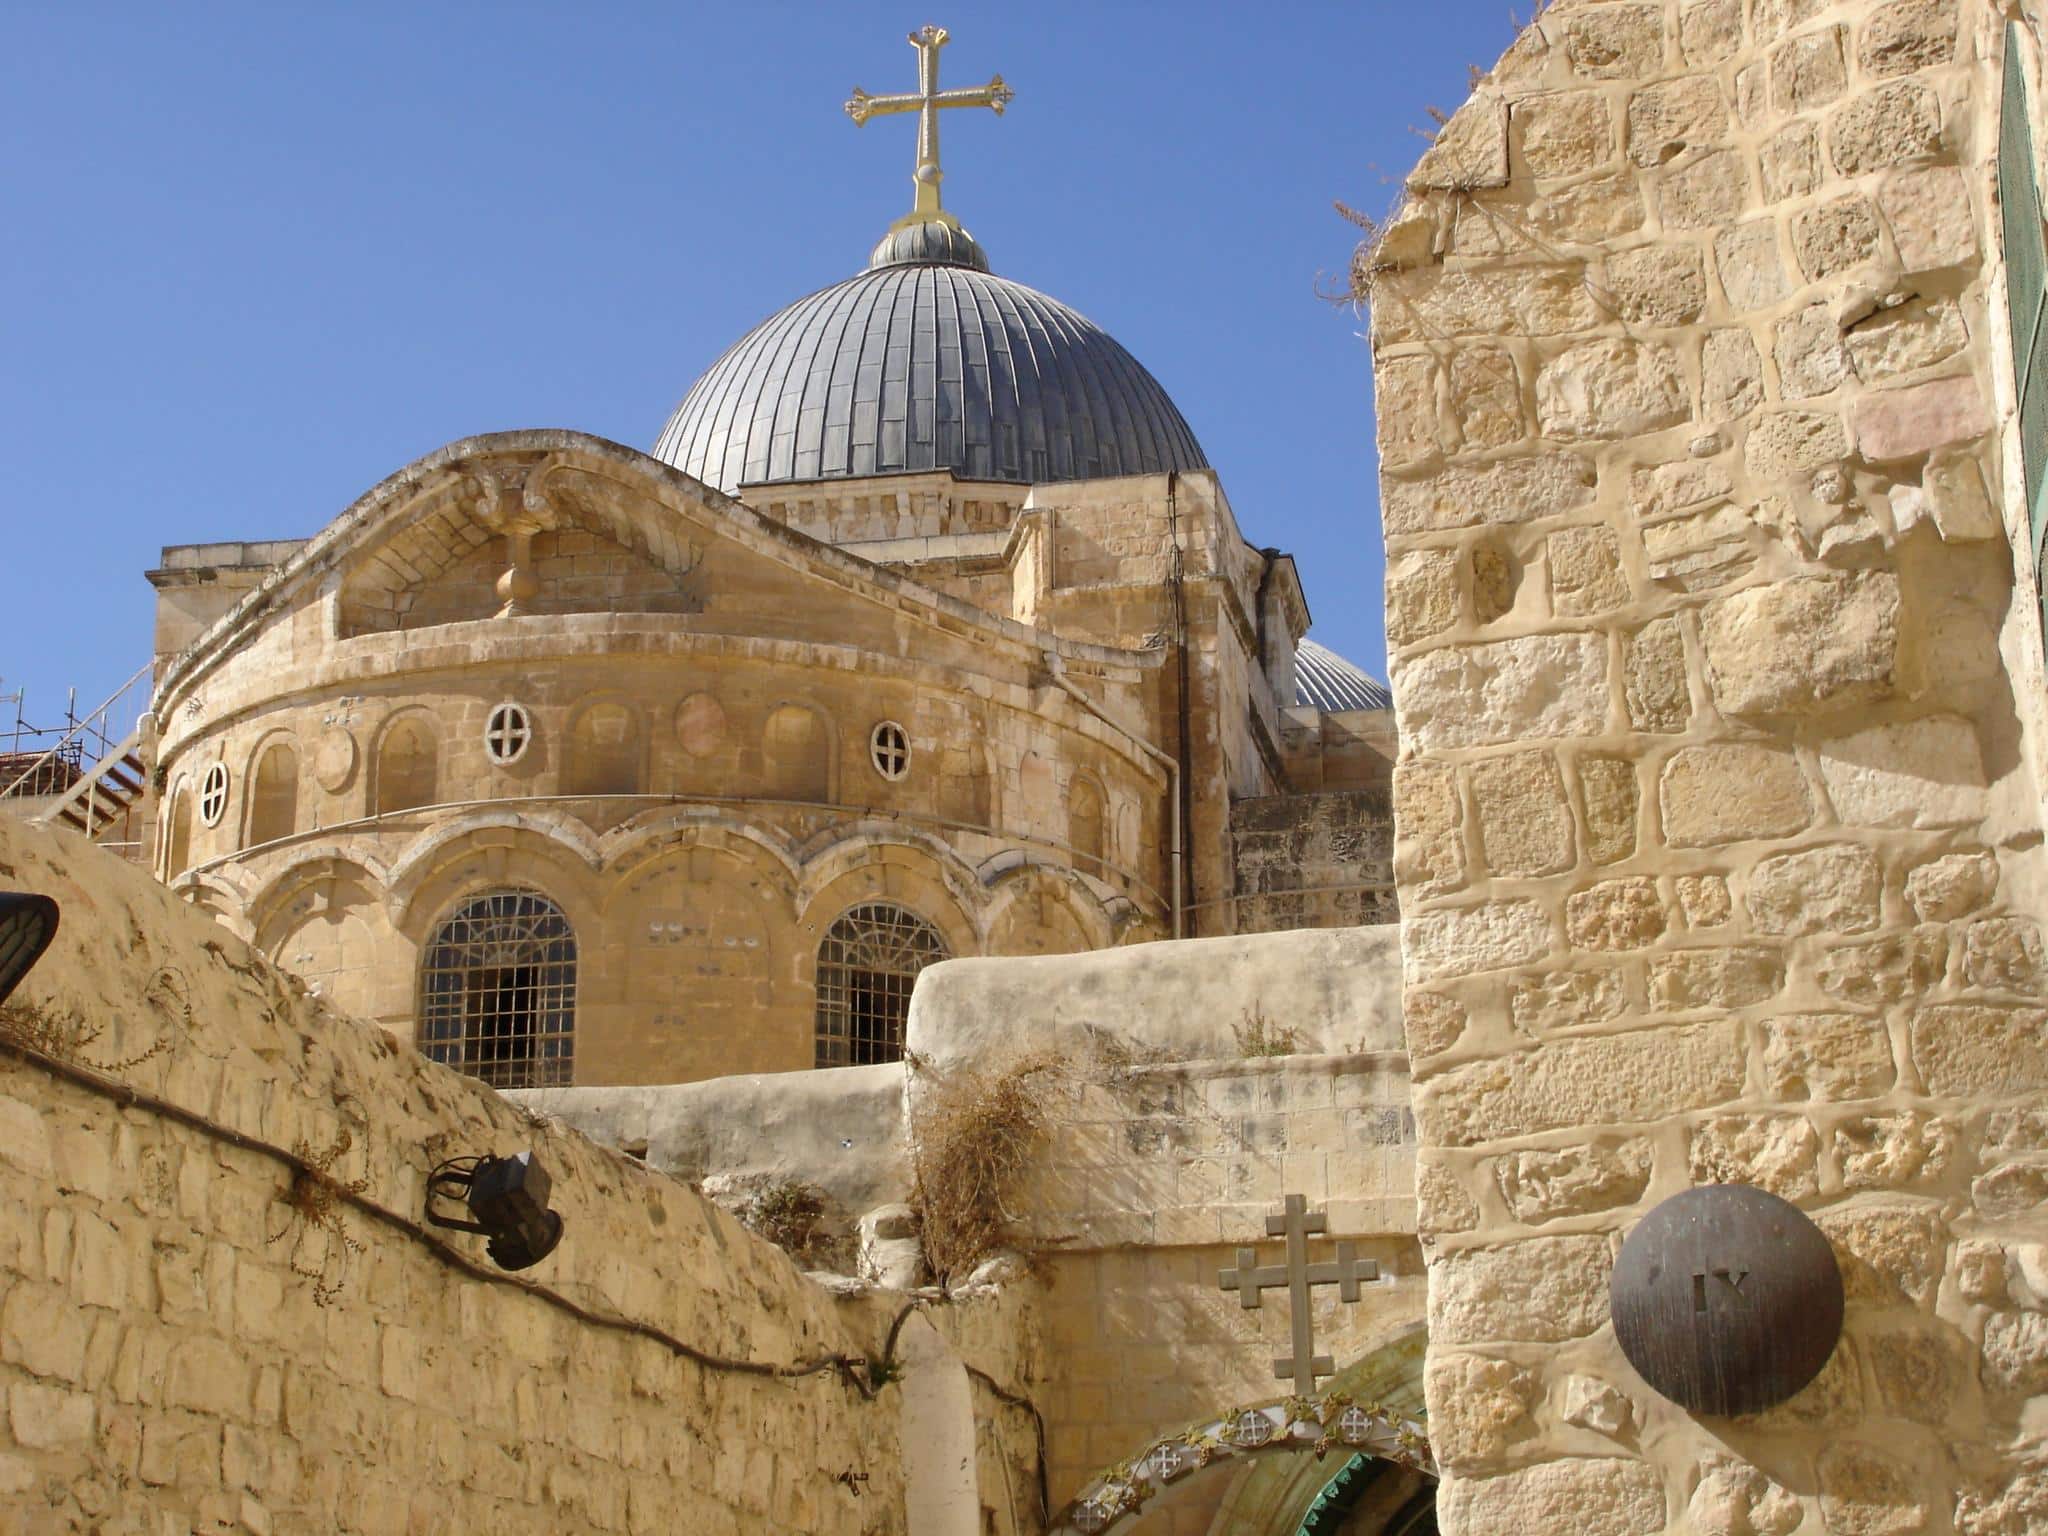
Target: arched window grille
{"type": "Point", "coordinates": [498, 991]}
{"type": "Point", "coordinates": [866, 968]}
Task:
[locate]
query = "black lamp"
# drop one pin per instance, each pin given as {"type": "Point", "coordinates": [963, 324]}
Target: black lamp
{"type": "Point", "coordinates": [508, 1196]}
{"type": "Point", "coordinates": [27, 924]}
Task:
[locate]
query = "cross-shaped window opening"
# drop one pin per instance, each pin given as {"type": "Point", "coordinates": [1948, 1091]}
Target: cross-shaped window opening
{"type": "Point", "coordinates": [889, 750]}
{"type": "Point", "coordinates": [507, 733]}
{"type": "Point", "coordinates": [213, 794]}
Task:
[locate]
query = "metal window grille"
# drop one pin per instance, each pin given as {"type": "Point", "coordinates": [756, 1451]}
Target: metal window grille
{"type": "Point", "coordinates": [2026, 285]}
{"type": "Point", "coordinates": [498, 991]}
{"type": "Point", "coordinates": [866, 968]}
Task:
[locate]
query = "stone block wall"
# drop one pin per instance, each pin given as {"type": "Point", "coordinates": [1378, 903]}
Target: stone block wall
{"type": "Point", "coordinates": [1718, 830]}
{"type": "Point", "coordinates": [184, 1344]}
{"type": "Point", "coordinates": [1313, 860]}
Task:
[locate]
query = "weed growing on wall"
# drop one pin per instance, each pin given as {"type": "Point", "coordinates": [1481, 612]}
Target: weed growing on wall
{"type": "Point", "coordinates": [973, 1134]}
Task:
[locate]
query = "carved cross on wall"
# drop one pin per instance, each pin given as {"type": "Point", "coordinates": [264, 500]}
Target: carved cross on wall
{"type": "Point", "coordinates": [1251, 1280]}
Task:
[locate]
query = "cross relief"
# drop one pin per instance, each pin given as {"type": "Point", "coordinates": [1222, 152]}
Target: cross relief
{"type": "Point", "coordinates": [1251, 1280]}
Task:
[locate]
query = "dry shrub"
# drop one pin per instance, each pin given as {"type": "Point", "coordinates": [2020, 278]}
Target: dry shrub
{"type": "Point", "coordinates": [1258, 1035]}
{"type": "Point", "coordinates": [315, 1198]}
{"type": "Point", "coordinates": [972, 1136]}
{"type": "Point", "coordinates": [66, 1035]}
{"type": "Point", "coordinates": [792, 1215]}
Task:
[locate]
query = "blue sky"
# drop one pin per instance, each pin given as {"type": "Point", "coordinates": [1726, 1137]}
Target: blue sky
{"type": "Point", "coordinates": [255, 258]}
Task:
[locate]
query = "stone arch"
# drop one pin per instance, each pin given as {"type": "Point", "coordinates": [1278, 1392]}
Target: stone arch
{"type": "Point", "coordinates": [798, 760]}
{"type": "Point", "coordinates": [324, 919]}
{"type": "Point", "coordinates": [1037, 909]}
{"type": "Point", "coordinates": [407, 771]}
{"type": "Point", "coordinates": [604, 750]}
{"type": "Point", "coordinates": [273, 791]}
{"type": "Point", "coordinates": [487, 848]}
{"type": "Point", "coordinates": [846, 849]}
{"type": "Point", "coordinates": [1087, 824]}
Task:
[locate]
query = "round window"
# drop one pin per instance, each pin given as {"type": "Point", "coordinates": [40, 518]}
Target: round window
{"type": "Point", "coordinates": [889, 750]}
{"type": "Point", "coordinates": [213, 794]}
{"type": "Point", "coordinates": [507, 733]}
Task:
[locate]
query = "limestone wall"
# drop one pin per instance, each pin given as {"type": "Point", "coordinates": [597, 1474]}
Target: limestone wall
{"type": "Point", "coordinates": [183, 1346]}
{"type": "Point", "coordinates": [1718, 840]}
{"type": "Point", "coordinates": [1313, 860]}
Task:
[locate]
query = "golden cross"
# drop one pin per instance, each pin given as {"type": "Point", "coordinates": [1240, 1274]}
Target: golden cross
{"type": "Point", "coordinates": [1251, 1279]}
{"type": "Point", "coordinates": [926, 102]}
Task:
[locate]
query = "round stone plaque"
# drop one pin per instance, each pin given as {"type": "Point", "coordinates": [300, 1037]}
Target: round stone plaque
{"type": "Point", "coordinates": [334, 758]}
{"type": "Point", "coordinates": [1726, 1299]}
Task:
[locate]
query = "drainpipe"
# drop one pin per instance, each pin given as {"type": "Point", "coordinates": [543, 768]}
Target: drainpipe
{"type": "Point", "coordinates": [1165, 759]}
{"type": "Point", "coordinates": [1184, 789]}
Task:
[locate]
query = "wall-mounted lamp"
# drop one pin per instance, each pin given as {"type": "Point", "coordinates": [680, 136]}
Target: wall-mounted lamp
{"type": "Point", "coordinates": [27, 924]}
{"type": "Point", "coordinates": [508, 1196]}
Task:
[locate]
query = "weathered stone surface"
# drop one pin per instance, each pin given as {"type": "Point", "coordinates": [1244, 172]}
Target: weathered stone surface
{"type": "Point", "coordinates": [1889, 1254]}
{"type": "Point", "coordinates": [1525, 822]}
{"type": "Point", "coordinates": [2011, 1190]}
{"type": "Point", "coordinates": [1865, 1491]}
{"type": "Point", "coordinates": [1405, 410]}
{"type": "Point", "coordinates": [2003, 954]}
{"type": "Point", "coordinates": [1709, 30]}
{"type": "Point", "coordinates": [2016, 1358]}
{"type": "Point", "coordinates": [1586, 1496]}
{"type": "Point", "coordinates": [1704, 900]}
{"type": "Point", "coordinates": [1915, 773]}
{"type": "Point", "coordinates": [1566, 1000]}
{"type": "Point", "coordinates": [1772, 19]}
{"type": "Point", "coordinates": [1809, 641]}
{"type": "Point", "coordinates": [1483, 1407]}
{"type": "Point", "coordinates": [1790, 162]}
{"type": "Point", "coordinates": [1952, 886]}
{"type": "Point", "coordinates": [1512, 491]}
{"type": "Point", "coordinates": [1667, 488]}
{"type": "Point", "coordinates": [1469, 151]}
{"type": "Point", "coordinates": [1732, 977]}
{"type": "Point", "coordinates": [1585, 572]}
{"type": "Point", "coordinates": [1628, 1079]}
{"type": "Point", "coordinates": [1613, 802]}
{"type": "Point", "coordinates": [1929, 214]}
{"type": "Point", "coordinates": [1434, 1022]}
{"type": "Point", "coordinates": [1430, 304]}
{"type": "Point", "coordinates": [1541, 1290]}
{"type": "Point", "coordinates": [1835, 236]}
{"type": "Point", "coordinates": [1809, 71]}
{"type": "Point", "coordinates": [1654, 678]}
{"type": "Point", "coordinates": [1907, 337]}
{"type": "Point", "coordinates": [1461, 940]}
{"type": "Point", "coordinates": [1893, 1151]}
{"type": "Point", "coordinates": [1658, 284]}
{"type": "Point", "coordinates": [1616, 914]}
{"type": "Point", "coordinates": [1422, 594]}
{"type": "Point", "coordinates": [1442, 1203]}
{"type": "Point", "coordinates": [1486, 396]}
{"type": "Point", "coordinates": [1563, 133]}
{"type": "Point", "coordinates": [1807, 345]}
{"type": "Point", "coordinates": [1883, 971]}
{"type": "Point", "coordinates": [1707, 190]}
{"type": "Point", "coordinates": [1962, 509]}
{"type": "Point", "coordinates": [1494, 577]}
{"type": "Point", "coordinates": [1475, 696]}
{"type": "Point", "coordinates": [1667, 119]}
{"type": "Point", "coordinates": [1827, 1056]}
{"type": "Point", "coordinates": [1429, 829]}
{"type": "Point", "coordinates": [1733, 1498]}
{"type": "Point", "coordinates": [1600, 1406]}
{"type": "Point", "coordinates": [1831, 889]}
{"type": "Point", "coordinates": [1731, 374]}
{"type": "Point", "coordinates": [1699, 551]}
{"type": "Point", "coordinates": [1730, 791]}
{"type": "Point", "coordinates": [1907, 35]}
{"type": "Point", "coordinates": [2011, 1501]}
{"type": "Point", "coordinates": [1611, 42]}
{"type": "Point", "coordinates": [1613, 387]}
{"type": "Point", "coordinates": [1919, 418]}
{"type": "Point", "coordinates": [1787, 443]}
{"type": "Point", "coordinates": [1888, 126]}
{"type": "Point", "coordinates": [1778, 1153]}
{"type": "Point", "coordinates": [1573, 1181]}
{"type": "Point", "coordinates": [1589, 212]}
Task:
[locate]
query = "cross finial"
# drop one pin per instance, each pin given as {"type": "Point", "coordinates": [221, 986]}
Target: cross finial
{"type": "Point", "coordinates": [926, 102]}
{"type": "Point", "coordinates": [1250, 1280]}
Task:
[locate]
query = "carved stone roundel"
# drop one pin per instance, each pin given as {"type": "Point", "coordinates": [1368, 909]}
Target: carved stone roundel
{"type": "Point", "coordinates": [700, 724]}
{"type": "Point", "coordinates": [1727, 1299]}
{"type": "Point", "coordinates": [334, 759]}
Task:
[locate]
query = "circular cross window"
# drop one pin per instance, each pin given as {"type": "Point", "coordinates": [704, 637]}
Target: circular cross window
{"type": "Point", "coordinates": [213, 794]}
{"type": "Point", "coordinates": [507, 733]}
{"type": "Point", "coordinates": [889, 750]}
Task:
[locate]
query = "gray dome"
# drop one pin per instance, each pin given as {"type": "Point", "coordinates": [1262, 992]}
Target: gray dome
{"type": "Point", "coordinates": [926, 361]}
{"type": "Point", "coordinates": [1330, 683]}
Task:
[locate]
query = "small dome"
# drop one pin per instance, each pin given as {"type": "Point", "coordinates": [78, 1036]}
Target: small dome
{"type": "Point", "coordinates": [926, 361]}
{"type": "Point", "coordinates": [1330, 683]}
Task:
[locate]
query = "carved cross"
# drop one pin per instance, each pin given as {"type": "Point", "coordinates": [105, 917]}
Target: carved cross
{"type": "Point", "coordinates": [1251, 1279]}
{"type": "Point", "coordinates": [926, 102]}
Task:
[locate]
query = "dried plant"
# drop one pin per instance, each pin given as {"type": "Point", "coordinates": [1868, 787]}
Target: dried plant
{"type": "Point", "coordinates": [1258, 1035]}
{"type": "Point", "coordinates": [67, 1035]}
{"type": "Point", "coordinates": [315, 1198]}
{"type": "Point", "coordinates": [972, 1136]}
{"type": "Point", "coordinates": [791, 1215]}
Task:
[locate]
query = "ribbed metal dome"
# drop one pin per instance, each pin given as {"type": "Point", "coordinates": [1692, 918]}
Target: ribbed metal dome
{"type": "Point", "coordinates": [926, 361]}
{"type": "Point", "coordinates": [1330, 683]}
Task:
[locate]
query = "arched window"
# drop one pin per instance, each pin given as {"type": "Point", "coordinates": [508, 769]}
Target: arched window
{"type": "Point", "coordinates": [405, 766]}
{"type": "Point", "coordinates": [179, 858]}
{"type": "Point", "coordinates": [604, 752]}
{"type": "Point", "coordinates": [796, 748]}
{"type": "Point", "coordinates": [866, 968]}
{"type": "Point", "coordinates": [1085, 819]}
{"type": "Point", "coordinates": [498, 991]}
{"type": "Point", "coordinates": [274, 794]}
